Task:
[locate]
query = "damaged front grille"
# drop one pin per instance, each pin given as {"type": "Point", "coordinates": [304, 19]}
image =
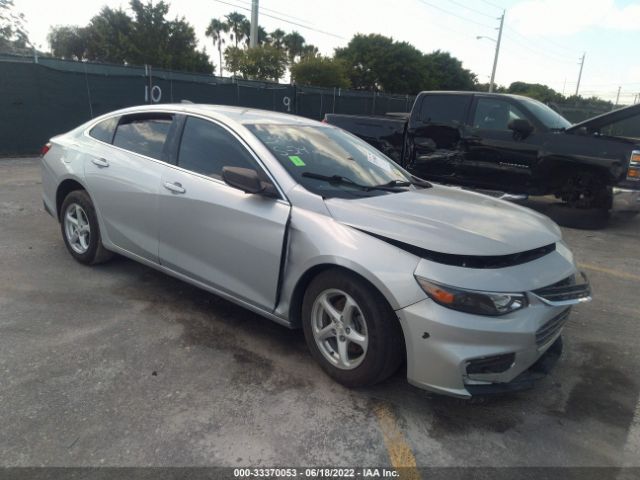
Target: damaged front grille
{"type": "Point", "coordinates": [549, 330]}
{"type": "Point", "coordinates": [569, 290]}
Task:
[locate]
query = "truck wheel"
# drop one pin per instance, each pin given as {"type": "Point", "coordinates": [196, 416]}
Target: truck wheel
{"type": "Point", "coordinates": [80, 229]}
{"type": "Point", "coordinates": [586, 190]}
{"type": "Point", "coordinates": [580, 218]}
{"type": "Point", "coordinates": [350, 329]}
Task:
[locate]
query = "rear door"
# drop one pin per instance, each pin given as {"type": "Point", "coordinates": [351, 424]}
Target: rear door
{"type": "Point", "coordinates": [434, 134]}
{"type": "Point", "coordinates": [124, 173]}
{"type": "Point", "coordinates": [495, 157]}
{"type": "Point", "coordinates": [214, 233]}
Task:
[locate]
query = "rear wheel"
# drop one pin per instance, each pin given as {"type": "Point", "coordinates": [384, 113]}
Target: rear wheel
{"type": "Point", "coordinates": [80, 229]}
{"type": "Point", "coordinates": [350, 329]}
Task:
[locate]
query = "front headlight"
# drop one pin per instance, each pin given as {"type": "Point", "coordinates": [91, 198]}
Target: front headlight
{"type": "Point", "coordinates": [473, 301]}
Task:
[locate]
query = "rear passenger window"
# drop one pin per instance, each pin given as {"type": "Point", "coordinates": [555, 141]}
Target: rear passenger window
{"type": "Point", "coordinates": [444, 109]}
{"type": "Point", "coordinates": [206, 148]}
{"type": "Point", "coordinates": [144, 134]}
{"type": "Point", "coordinates": [104, 130]}
{"type": "Point", "coordinates": [495, 114]}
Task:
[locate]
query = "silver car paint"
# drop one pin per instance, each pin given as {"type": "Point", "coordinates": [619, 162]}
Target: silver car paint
{"type": "Point", "coordinates": [325, 233]}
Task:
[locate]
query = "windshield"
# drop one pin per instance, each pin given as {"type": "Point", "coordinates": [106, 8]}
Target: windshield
{"type": "Point", "coordinates": [549, 117]}
{"type": "Point", "coordinates": [309, 152]}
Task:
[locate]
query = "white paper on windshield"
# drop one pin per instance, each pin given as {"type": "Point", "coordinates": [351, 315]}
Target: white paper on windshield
{"type": "Point", "coordinates": [378, 162]}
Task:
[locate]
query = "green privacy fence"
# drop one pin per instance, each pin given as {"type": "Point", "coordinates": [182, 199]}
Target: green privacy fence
{"type": "Point", "coordinates": [42, 97]}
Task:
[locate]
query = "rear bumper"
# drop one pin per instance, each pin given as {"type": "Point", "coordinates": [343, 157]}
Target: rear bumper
{"type": "Point", "coordinates": [625, 200]}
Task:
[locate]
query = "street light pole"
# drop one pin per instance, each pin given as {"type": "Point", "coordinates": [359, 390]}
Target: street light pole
{"type": "Point", "coordinates": [580, 74]}
{"type": "Point", "coordinates": [253, 39]}
{"type": "Point", "coordinates": [495, 58]}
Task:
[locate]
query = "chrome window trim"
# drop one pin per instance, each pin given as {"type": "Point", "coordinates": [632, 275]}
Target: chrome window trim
{"type": "Point", "coordinates": [283, 198]}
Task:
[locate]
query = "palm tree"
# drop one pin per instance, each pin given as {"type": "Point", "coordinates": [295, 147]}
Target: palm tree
{"type": "Point", "coordinates": [309, 51]}
{"type": "Point", "coordinates": [294, 43]}
{"type": "Point", "coordinates": [277, 38]}
{"type": "Point", "coordinates": [215, 30]}
{"type": "Point", "coordinates": [236, 23]}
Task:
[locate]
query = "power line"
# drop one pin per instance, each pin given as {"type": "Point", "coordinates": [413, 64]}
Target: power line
{"type": "Point", "coordinates": [494, 5]}
{"type": "Point", "coordinates": [286, 15]}
{"type": "Point", "coordinates": [472, 9]}
{"type": "Point", "coordinates": [456, 15]}
{"type": "Point", "coordinates": [283, 20]}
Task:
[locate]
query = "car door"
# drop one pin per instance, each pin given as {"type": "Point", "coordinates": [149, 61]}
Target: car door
{"type": "Point", "coordinates": [495, 156]}
{"type": "Point", "coordinates": [124, 173]}
{"type": "Point", "coordinates": [434, 134]}
{"type": "Point", "coordinates": [214, 233]}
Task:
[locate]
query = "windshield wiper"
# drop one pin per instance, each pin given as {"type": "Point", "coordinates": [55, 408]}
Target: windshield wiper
{"type": "Point", "coordinates": [339, 179]}
{"type": "Point", "coordinates": [418, 182]}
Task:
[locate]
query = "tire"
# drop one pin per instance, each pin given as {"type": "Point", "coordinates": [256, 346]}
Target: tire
{"type": "Point", "coordinates": [77, 214]}
{"type": "Point", "coordinates": [371, 318]}
{"type": "Point", "coordinates": [579, 218]}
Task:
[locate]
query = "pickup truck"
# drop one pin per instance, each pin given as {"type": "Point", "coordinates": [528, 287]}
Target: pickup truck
{"type": "Point", "coordinates": [511, 144]}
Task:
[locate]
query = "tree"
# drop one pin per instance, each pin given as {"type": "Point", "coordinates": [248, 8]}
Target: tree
{"type": "Point", "coordinates": [69, 42]}
{"type": "Point", "coordinates": [320, 71]}
{"type": "Point", "coordinates": [215, 30]}
{"type": "Point", "coordinates": [109, 36]}
{"type": "Point", "coordinates": [237, 26]}
{"type": "Point", "coordinates": [445, 72]}
{"type": "Point", "coordinates": [146, 38]}
{"type": "Point", "coordinates": [264, 62]}
{"type": "Point", "coordinates": [294, 42]}
{"type": "Point", "coordinates": [535, 90]}
{"type": "Point", "coordinates": [309, 51]}
{"type": "Point", "coordinates": [13, 33]}
{"type": "Point", "coordinates": [277, 38]}
{"type": "Point", "coordinates": [376, 62]}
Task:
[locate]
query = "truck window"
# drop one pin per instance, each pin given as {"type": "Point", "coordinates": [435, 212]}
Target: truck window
{"type": "Point", "coordinates": [495, 114]}
{"type": "Point", "coordinates": [444, 109]}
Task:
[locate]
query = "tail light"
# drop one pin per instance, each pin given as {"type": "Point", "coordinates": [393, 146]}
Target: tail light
{"type": "Point", "coordinates": [634, 166]}
{"type": "Point", "coordinates": [46, 147]}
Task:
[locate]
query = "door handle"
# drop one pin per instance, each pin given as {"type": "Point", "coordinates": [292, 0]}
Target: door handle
{"type": "Point", "coordinates": [174, 187]}
{"type": "Point", "coordinates": [101, 162]}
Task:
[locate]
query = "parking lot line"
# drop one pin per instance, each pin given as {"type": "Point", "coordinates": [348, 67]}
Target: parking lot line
{"type": "Point", "coordinates": [398, 448]}
{"type": "Point", "coordinates": [609, 271]}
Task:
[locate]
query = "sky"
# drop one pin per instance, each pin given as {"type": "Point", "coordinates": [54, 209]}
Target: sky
{"type": "Point", "coordinates": [542, 40]}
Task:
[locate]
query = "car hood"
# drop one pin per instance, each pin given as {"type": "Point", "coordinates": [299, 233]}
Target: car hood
{"type": "Point", "coordinates": [595, 123]}
{"type": "Point", "coordinates": [448, 220]}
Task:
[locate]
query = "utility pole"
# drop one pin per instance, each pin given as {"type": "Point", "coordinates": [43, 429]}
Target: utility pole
{"type": "Point", "coordinates": [617, 97]}
{"type": "Point", "coordinates": [495, 58]}
{"type": "Point", "coordinates": [253, 39]}
{"type": "Point", "coordinates": [580, 74]}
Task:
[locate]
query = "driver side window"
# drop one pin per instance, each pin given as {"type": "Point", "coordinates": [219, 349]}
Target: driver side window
{"type": "Point", "coordinates": [206, 147]}
{"type": "Point", "coordinates": [495, 114]}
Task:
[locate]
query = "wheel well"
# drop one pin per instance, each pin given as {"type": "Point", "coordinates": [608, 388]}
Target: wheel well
{"type": "Point", "coordinates": [64, 189]}
{"type": "Point", "coordinates": [295, 306]}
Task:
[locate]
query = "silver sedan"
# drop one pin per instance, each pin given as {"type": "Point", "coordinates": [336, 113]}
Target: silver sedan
{"type": "Point", "coordinates": [313, 228]}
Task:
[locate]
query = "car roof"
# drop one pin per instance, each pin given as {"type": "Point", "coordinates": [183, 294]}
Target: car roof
{"type": "Point", "coordinates": [226, 113]}
{"type": "Point", "coordinates": [473, 92]}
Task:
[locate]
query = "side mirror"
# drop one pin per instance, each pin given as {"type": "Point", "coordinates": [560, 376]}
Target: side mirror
{"type": "Point", "coordinates": [247, 180]}
{"type": "Point", "coordinates": [521, 126]}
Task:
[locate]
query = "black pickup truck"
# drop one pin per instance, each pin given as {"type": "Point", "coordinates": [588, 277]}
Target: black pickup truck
{"type": "Point", "coordinates": [512, 144]}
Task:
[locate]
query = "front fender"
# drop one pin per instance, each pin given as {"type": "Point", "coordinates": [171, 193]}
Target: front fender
{"type": "Point", "coordinates": [316, 239]}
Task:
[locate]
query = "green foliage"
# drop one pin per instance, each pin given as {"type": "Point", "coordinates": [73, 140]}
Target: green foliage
{"type": "Point", "coordinates": [535, 90]}
{"type": "Point", "coordinates": [237, 26]}
{"type": "Point", "coordinates": [263, 62]}
{"type": "Point", "coordinates": [69, 41]}
{"type": "Point", "coordinates": [147, 37]}
{"type": "Point", "coordinates": [320, 72]}
{"type": "Point", "coordinates": [376, 62]}
{"type": "Point", "coordinates": [13, 33]}
{"type": "Point", "coordinates": [294, 43]}
{"type": "Point", "coordinates": [215, 30]}
{"type": "Point", "coordinates": [445, 72]}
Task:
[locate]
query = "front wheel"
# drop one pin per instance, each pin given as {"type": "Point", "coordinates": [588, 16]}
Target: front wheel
{"type": "Point", "coordinates": [350, 329]}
